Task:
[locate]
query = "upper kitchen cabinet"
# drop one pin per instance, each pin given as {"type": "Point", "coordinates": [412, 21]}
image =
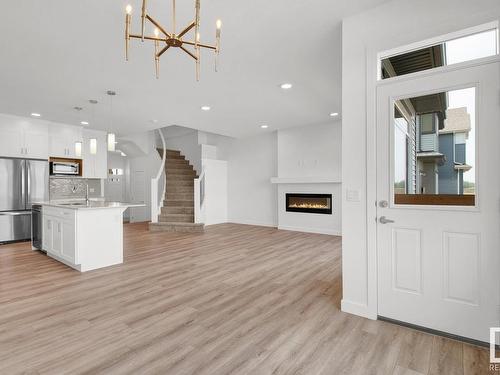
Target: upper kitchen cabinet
{"type": "Point", "coordinates": [62, 139]}
{"type": "Point", "coordinates": [95, 154]}
{"type": "Point", "coordinates": [22, 138]}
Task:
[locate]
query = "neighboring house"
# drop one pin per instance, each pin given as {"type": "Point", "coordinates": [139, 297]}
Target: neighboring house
{"type": "Point", "coordinates": [441, 158]}
{"type": "Point", "coordinates": [435, 146]}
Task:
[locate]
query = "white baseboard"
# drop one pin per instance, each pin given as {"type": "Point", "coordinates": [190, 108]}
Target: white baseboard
{"type": "Point", "coordinates": [251, 222]}
{"type": "Point", "coordinates": [332, 232]}
{"type": "Point", "coordinates": [356, 308]}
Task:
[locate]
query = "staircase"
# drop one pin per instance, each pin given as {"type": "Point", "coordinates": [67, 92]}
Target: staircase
{"type": "Point", "coordinates": [177, 213]}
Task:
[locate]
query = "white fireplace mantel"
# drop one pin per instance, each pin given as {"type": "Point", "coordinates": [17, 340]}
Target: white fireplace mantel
{"type": "Point", "coordinates": [304, 180]}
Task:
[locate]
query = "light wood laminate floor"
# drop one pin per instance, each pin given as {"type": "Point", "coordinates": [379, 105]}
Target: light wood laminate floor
{"type": "Point", "coordinates": [236, 299]}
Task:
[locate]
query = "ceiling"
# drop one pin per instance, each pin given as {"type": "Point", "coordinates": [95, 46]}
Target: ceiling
{"type": "Point", "coordinates": [59, 54]}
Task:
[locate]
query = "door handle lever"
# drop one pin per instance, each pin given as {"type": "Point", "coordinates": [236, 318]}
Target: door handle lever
{"type": "Point", "coordinates": [384, 220]}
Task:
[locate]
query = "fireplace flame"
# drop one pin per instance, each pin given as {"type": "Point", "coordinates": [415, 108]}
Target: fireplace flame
{"type": "Point", "coordinates": [308, 205]}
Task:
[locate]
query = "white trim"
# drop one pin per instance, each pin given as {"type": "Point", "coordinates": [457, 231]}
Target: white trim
{"type": "Point", "coordinates": [440, 69]}
{"type": "Point", "coordinates": [439, 39]}
{"type": "Point", "coordinates": [305, 180]}
{"type": "Point", "coordinates": [392, 102]}
{"type": "Point", "coordinates": [331, 232]}
{"type": "Point", "coordinates": [252, 222]}
{"type": "Point", "coordinates": [357, 309]}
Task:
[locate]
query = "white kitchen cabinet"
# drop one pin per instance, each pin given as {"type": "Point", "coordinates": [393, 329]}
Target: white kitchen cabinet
{"type": "Point", "coordinates": [62, 139]}
{"type": "Point", "coordinates": [68, 250]}
{"type": "Point", "coordinates": [95, 165]}
{"type": "Point", "coordinates": [59, 233]}
{"type": "Point", "coordinates": [57, 236]}
{"type": "Point", "coordinates": [11, 142]}
{"type": "Point", "coordinates": [47, 233]}
{"type": "Point", "coordinates": [36, 142]}
{"type": "Point", "coordinates": [20, 138]}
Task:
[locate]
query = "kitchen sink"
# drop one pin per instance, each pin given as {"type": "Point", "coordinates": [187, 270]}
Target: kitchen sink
{"type": "Point", "coordinates": [73, 204]}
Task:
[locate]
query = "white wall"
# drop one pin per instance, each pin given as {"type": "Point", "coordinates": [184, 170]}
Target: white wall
{"type": "Point", "coordinates": [251, 164]}
{"type": "Point", "coordinates": [149, 164]}
{"type": "Point", "coordinates": [310, 151]}
{"type": "Point", "coordinates": [388, 26]}
{"type": "Point", "coordinates": [216, 186]}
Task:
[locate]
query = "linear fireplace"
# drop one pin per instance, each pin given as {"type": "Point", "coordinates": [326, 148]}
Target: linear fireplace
{"type": "Point", "coordinates": [309, 203]}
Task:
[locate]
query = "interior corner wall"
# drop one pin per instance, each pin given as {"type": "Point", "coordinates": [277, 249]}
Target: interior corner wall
{"type": "Point", "coordinates": [392, 24]}
{"type": "Point", "coordinates": [252, 199]}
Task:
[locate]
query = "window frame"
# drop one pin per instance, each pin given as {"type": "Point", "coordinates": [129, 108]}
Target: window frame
{"type": "Point", "coordinates": [494, 25]}
{"type": "Point", "coordinates": [447, 201]}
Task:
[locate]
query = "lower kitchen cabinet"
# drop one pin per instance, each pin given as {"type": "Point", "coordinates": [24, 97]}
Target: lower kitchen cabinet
{"type": "Point", "coordinates": [59, 234]}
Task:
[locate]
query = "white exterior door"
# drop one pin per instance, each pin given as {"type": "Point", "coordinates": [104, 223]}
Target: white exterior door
{"type": "Point", "coordinates": [438, 265]}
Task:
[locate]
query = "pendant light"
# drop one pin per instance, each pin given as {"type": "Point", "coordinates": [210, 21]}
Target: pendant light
{"type": "Point", "coordinates": [93, 141]}
{"type": "Point", "coordinates": [78, 143]}
{"type": "Point", "coordinates": [111, 135]}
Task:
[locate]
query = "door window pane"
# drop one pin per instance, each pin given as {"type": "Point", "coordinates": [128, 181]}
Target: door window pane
{"type": "Point", "coordinates": [434, 149]}
{"type": "Point", "coordinates": [467, 48]}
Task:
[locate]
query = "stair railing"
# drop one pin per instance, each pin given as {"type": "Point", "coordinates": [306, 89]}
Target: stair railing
{"type": "Point", "coordinates": [199, 198]}
{"type": "Point", "coordinates": [158, 191]}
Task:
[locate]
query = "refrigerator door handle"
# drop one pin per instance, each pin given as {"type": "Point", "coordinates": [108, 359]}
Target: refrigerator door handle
{"type": "Point", "coordinates": [28, 183]}
{"type": "Point", "coordinates": [14, 213]}
{"type": "Point", "coordinates": [23, 182]}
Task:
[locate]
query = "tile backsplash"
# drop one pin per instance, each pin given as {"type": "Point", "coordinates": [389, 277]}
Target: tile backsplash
{"type": "Point", "coordinates": [74, 188]}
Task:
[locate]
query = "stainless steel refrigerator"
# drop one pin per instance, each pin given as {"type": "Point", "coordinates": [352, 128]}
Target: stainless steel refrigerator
{"type": "Point", "coordinates": [22, 183]}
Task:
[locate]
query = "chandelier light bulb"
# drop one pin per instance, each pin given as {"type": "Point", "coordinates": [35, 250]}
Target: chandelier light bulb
{"type": "Point", "coordinates": [157, 32]}
{"type": "Point", "coordinates": [218, 24]}
{"type": "Point", "coordinates": [128, 9]}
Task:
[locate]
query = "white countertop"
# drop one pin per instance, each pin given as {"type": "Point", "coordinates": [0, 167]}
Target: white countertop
{"type": "Point", "coordinates": [93, 204]}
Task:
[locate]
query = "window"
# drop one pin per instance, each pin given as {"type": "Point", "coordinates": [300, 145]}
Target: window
{"type": "Point", "coordinates": [427, 123]}
{"type": "Point", "coordinates": [453, 51]}
{"type": "Point", "coordinates": [434, 149]}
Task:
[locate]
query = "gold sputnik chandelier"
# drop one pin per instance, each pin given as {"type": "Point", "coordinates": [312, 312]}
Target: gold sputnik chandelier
{"type": "Point", "coordinates": [165, 40]}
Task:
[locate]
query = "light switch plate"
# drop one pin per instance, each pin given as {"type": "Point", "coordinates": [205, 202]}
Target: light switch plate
{"type": "Point", "coordinates": [352, 195]}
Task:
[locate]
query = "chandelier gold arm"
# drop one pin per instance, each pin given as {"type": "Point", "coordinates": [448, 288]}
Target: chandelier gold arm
{"type": "Point", "coordinates": [160, 27]}
{"type": "Point", "coordinates": [189, 53]}
{"type": "Point", "coordinates": [135, 36]}
{"type": "Point", "coordinates": [187, 29]}
{"type": "Point", "coordinates": [196, 21]}
{"type": "Point", "coordinates": [163, 51]}
{"type": "Point", "coordinates": [127, 34]}
{"type": "Point", "coordinates": [199, 44]}
{"type": "Point", "coordinates": [143, 19]}
{"type": "Point", "coordinates": [157, 59]}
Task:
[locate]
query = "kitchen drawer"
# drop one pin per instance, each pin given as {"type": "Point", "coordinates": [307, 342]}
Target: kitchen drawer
{"type": "Point", "coordinates": [63, 213]}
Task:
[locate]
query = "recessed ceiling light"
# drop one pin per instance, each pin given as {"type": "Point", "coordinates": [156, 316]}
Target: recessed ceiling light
{"type": "Point", "coordinates": [264, 126]}
{"type": "Point", "coordinates": [334, 114]}
{"type": "Point", "coordinates": [34, 114]}
{"type": "Point", "coordinates": [286, 86]}
{"type": "Point", "coordinates": [205, 108]}
{"type": "Point", "coordinates": [84, 123]}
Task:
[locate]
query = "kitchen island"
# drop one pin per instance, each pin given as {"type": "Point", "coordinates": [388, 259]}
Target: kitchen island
{"type": "Point", "coordinates": [84, 235]}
